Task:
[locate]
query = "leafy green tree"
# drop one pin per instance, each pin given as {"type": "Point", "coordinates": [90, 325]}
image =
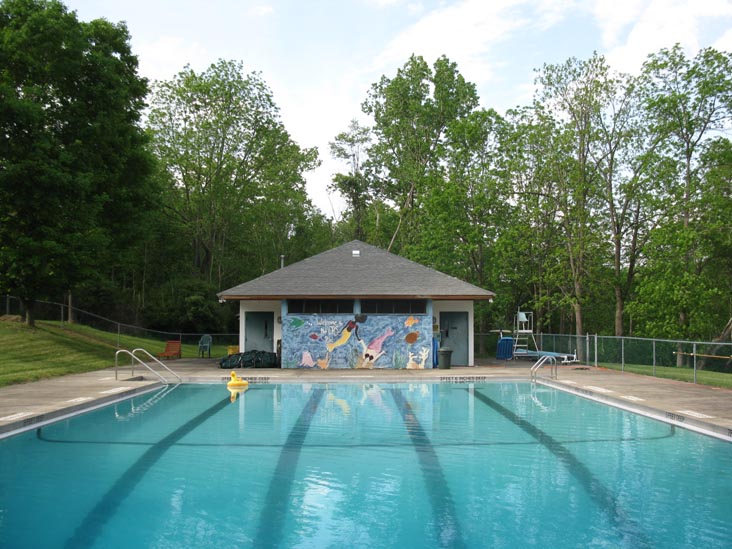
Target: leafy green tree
{"type": "Point", "coordinates": [688, 101]}
{"type": "Point", "coordinates": [74, 167]}
{"type": "Point", "coordinates": [350, 146]}
{"type": "Point", "coordinates": [574, 91]}
{"type": "Point", "coordinates": [235, 176]}
{"type": "Point", "coordinates": [465, 216]}
{"type": "Point", "coordinates": [624, 158]}
{"type": "Point", "coordinates": [534, 151]}
{"type": "Point", "coordinates": [412, 113]}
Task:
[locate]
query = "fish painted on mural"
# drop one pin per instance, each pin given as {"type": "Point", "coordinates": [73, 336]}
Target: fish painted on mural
{"type": "Point", "coordinates": [411, 321]}
{"type": "Point", "coordinates": [316, 337]}
{"type": "Point", "coordinates": [411, 337]}
{"type": "Point", "coordinates": [345, 335]}
{"type": "Point", "coordinates": [374, 350]}
{"type": "Point", "coordinates": [296, 322]}
{"type": "Point", "coordinates": [307, 360]}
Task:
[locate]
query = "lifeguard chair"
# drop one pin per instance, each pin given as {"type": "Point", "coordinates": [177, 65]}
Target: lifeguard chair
{"type": "Point", "coordinates": [523, 335]}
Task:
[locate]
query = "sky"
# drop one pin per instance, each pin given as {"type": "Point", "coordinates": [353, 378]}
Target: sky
{"type": "Point", "coordinates": [320, 58]}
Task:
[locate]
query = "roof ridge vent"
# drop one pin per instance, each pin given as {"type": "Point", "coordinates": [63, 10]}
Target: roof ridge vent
{"type": "Point", "coordinates": [356, 253]}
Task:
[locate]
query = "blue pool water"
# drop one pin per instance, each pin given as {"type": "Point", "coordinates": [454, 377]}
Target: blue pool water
{"type": "Point", "coordinates": [421, 465]}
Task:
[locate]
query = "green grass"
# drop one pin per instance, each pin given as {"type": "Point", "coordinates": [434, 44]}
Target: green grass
{"type": "Point", "coordinates": [703, 377]}
{"type": "Point", "coordinates": [153, 346]}
{"type": "Point", "coordinates": [52, 350]}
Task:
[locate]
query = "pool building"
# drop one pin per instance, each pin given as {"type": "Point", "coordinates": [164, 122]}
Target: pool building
{"type": "Point", "coordinates": [357, 306]}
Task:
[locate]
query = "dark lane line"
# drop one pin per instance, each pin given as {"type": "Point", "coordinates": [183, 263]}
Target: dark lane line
{"type": "Point", "coordinates": [601, 495]}
{"type": "Point", "coordinates": [277, 502]}
{"type": "Point", "coordinates": [87, 532]}
{"type": "Point", "coordinates": [443, 506]}
{"type": "Point", "coordinates": [671, 432]}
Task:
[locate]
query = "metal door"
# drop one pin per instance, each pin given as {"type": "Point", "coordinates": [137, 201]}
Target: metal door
{"type": "Point", "coordinates": [454, 332]}
{"type": "Point", "coordinates": [259, 328]}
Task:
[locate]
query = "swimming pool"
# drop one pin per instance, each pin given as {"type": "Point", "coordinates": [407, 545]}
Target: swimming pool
{"type": "Point", "coordinates": [428, 465]}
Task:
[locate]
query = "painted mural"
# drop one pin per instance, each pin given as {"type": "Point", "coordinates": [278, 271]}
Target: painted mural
{"type": "Point", "coordinates": [356, 341]}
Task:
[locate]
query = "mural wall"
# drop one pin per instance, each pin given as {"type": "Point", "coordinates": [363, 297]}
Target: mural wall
{"type": "Point", "coordinates": [356, 341]}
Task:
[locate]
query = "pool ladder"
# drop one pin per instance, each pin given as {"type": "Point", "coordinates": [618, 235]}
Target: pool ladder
{"type": "Point", "coordinates": [541, 362]}
{"type": "Point", "coordinates": [137, 359]}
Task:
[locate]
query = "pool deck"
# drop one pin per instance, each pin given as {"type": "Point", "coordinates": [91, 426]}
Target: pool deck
{"type": "Point", "coordinates": [696, 407]}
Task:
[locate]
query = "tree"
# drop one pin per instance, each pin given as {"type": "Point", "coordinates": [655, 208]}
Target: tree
{"type": "Point", "coordinates": [412, 113]}
{"type": "Point", "coordinates": [535, 153]}
{"type": "Point", "coordinates": [624, 158]}
{"type": "Point", "coordinates": [688, 102]}
{"type": "Point", "coordinates": [350, 146]}
{"type": "Point", "coordinates": [235, 176]}
{"type": "Point", "coordinates": [72, 157]}
{"type": "Point", "coordinates": [575, 91]}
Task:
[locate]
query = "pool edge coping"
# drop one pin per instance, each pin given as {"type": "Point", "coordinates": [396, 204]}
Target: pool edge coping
{"type": "Point", "coordinates": [673, 418]}
{"type": "Point", "coordinates": [53, 416]}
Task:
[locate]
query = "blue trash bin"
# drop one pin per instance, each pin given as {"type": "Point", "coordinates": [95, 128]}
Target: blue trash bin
{"type": "Point", "coordinates": [504, 351]}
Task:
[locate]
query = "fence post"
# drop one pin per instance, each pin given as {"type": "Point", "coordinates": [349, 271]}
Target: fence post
{"type": "Point", "coordinates": [622, 354]}
{"type": "Point", "coordinates": [654, 358]}
{"type": "Point", "coordinates": [118, 346]}
{"type": "Point", "coordinates": [694, 351]}
{"type": "Point", "coordinates": [587, 348]}
{"type": "Point", "coordinates": [595, 350]}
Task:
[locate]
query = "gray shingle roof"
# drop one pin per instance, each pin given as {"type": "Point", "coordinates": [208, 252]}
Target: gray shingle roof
{"type": "Point", "coordinates": [340, 273]}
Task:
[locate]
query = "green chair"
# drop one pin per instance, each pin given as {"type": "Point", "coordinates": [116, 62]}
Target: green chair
{"type": "Point", "coordinates": [204, 345]}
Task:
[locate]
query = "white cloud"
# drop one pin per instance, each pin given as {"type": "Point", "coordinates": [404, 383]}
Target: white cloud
{"type": "Point", "coordinates": [548, 13]}
{"type": "Point", "coordinates": [385, 3]}
{"type": "Point", "coordinates": [724, 42]}
{"type": "Point", "coordinates": [414, 8]}
{"type": "Point", "coordinates": [464, 32]}
{"type": "Point", "coordinates": [613, 16]}
{"type": "Point", "coordinates": [663, 23]}
{"type": "Point", "coordinates": [166, 56]}
{"type": "Point", "coordinates": [261, 10]}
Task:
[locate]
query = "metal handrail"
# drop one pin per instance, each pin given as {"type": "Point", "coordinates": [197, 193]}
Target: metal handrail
{"type": "Point", "coordinates": [145, 364]}
{"type": "Point", "coordinates": [180, 379]}
{"type": "Point", "coordinates": [539, 363]}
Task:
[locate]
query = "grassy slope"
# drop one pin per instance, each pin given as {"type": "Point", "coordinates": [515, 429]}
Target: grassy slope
{"type": "Point", "coordinates": [51, 350]}
{"type": "Point", "coordinates": [703, 377]}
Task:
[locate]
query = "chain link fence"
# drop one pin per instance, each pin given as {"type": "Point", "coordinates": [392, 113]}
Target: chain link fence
{"type": "Point", "coordinates": [59, 312]}
{"type": "Point", "coordinates": [640, 355]}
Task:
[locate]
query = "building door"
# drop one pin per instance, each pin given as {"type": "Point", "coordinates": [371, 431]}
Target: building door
{"type": "Point", "coordinates": [454, 332]}
{"type": "Point", "coordinates": [259, 331]}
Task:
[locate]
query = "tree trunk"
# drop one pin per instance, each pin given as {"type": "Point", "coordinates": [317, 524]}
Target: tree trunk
{"type": "Point", "coordinates": [725, 336]}
{"type": "Point", "coordinates": [30, 317]}
{"type": "Point", "coordinates": [579, 330]}
{"type": "Point", "coordinates": [71, 318]}
{"type": "Point", "coordinates": [619, 307]}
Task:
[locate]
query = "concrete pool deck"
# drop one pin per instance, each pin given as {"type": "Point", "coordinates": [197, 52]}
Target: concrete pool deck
{"type": "Point", "coordinates": [697, 407]}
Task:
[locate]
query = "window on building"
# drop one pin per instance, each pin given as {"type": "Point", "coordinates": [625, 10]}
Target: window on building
{"type": "Point", "coordinates": [319, 306]}
{"type": "Point", "coordinates": [394, 306]}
